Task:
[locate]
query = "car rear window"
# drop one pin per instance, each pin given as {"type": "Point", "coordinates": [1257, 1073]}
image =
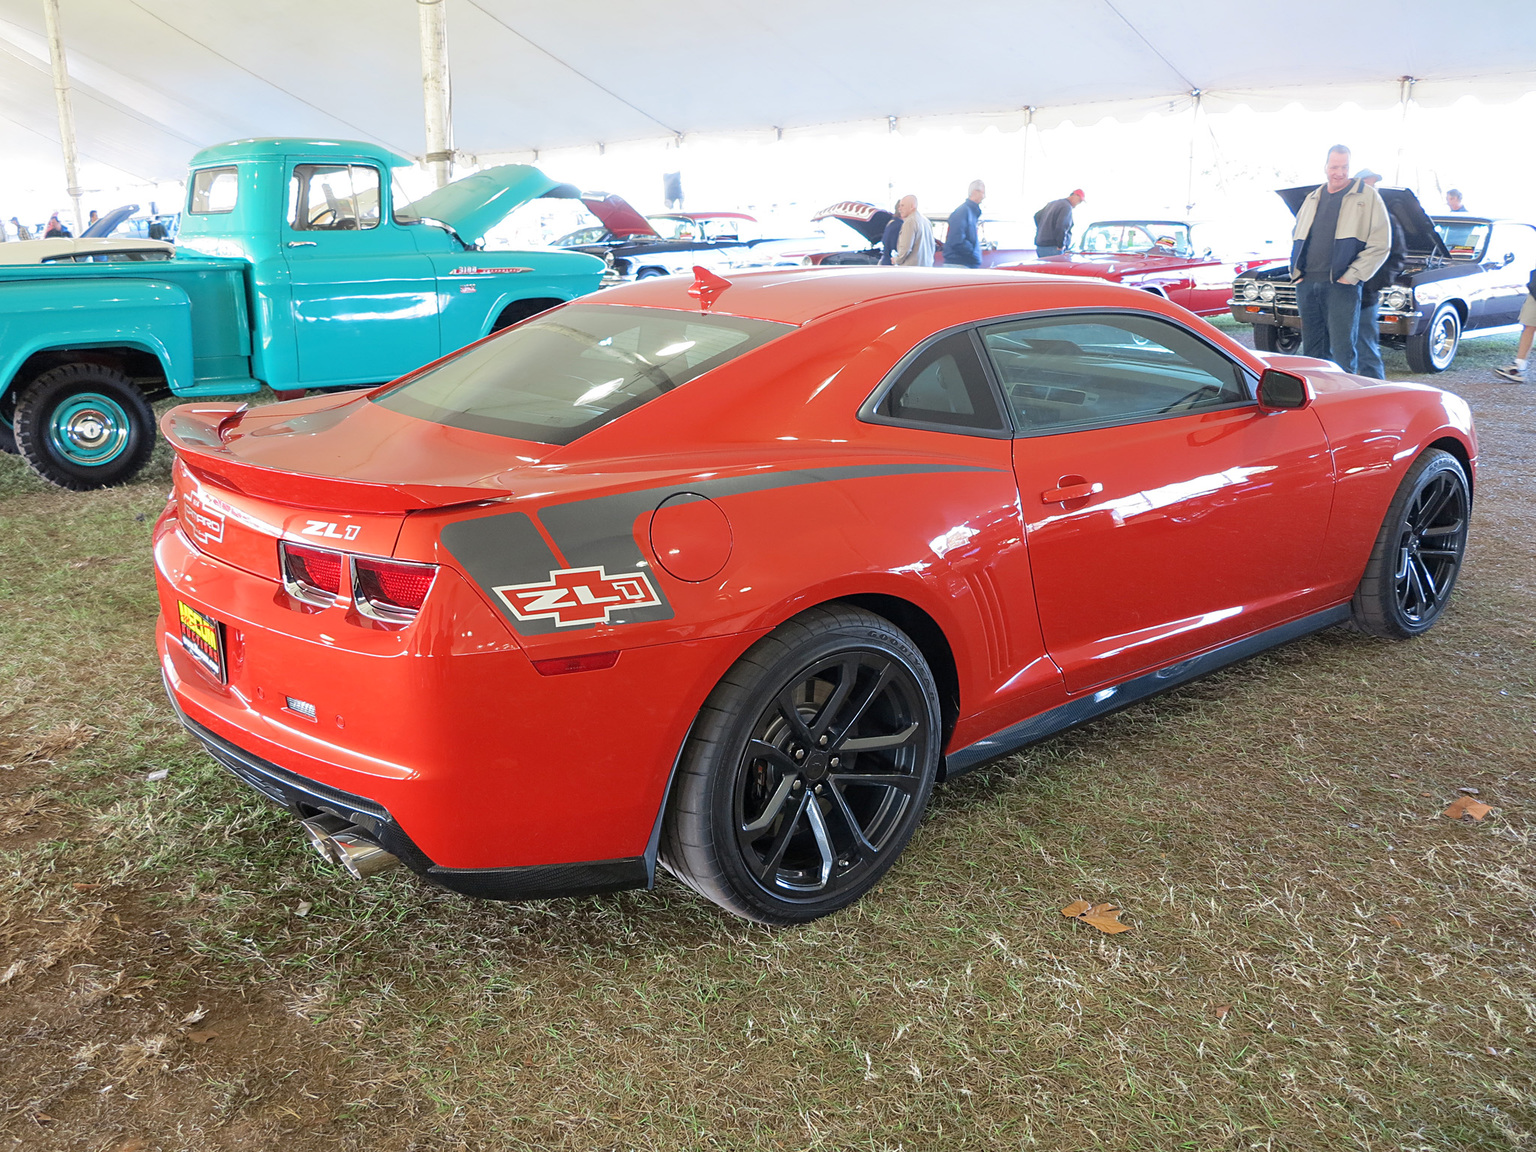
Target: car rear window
{"type": "Point", "coordinates": [558, 376]}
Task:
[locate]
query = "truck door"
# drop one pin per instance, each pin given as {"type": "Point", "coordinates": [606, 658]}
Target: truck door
{"type": "Point", "coordinates": [364, 299]}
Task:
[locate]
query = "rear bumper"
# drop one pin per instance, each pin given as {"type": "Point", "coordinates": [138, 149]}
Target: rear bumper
{"type": "Point", "coordinates": [308, 798]}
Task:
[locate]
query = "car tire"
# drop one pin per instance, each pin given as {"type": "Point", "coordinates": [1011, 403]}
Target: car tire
{"type": "Point", "coordinates": [1277, 338]}
{"type": "Point", "coordinates": [84, 426]}
{"type": "Point", "coordinates": [1417, 555]}
{"type": "Point", "coordinates": [807, 770]}
{"type": "Point", "coordinates": [1433, 349]}
{"type": "Point", "coordinates": [650, 273]}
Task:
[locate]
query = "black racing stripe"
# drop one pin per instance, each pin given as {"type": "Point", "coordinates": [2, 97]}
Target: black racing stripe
{"type": "Point", "coordinates": [601, 530]}
{"type": "Point", "coordinates": [499, 550]}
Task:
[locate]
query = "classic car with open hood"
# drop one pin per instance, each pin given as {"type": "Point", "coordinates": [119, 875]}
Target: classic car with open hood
{"type": "Point", "coordinates": [997, 247]}
{"type": "Point", "coordinates": [639, 247]}
{"type": "Point", "coordinates": [1464, 273]}
{"type": "Point", "coordinates": [1169, 258]}
{"type": "Point", "coordinates": [300, 264]}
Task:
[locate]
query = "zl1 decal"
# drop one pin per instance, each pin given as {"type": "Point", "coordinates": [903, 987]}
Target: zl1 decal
{"type": "Point", "coordinates": [329, 529]}
{"type": "Point", "coordinates": [579, 596]}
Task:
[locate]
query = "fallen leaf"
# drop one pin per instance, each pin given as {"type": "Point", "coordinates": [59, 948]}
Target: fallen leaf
{"type": "Point", "coordinates": [1394, 775]}
{"type": "Point", "coordinates": [1493, 1051]}
{"type": "Point", "coordinates": [1222, 1010]}
{"type": "Point", "coordinates": [201, 1037]}
{"type": "Point", "coordinates": [42, 1117]}
{"type": "Point", "coordinates": [1470, 791]}
{"type": "Point", "coordinates": [1423, 793]}
{"type": "Point", "coordinates": [86, 887]}
{"type": "Point", "coordinates": [137, 1144]}
{"type": "Point", "coordinates": [158, 774]}
{"type": "Point", "coordinates": [303, 908]}
{"type": "Point", "coordinates": [1104, 917]}
{"type": "Point", "coordinates": [1392, 920]}
{"type": "Point", "coordinates": [1466, 806]}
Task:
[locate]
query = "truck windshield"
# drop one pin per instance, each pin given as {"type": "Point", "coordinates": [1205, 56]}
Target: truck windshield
{"type": "Point", "coordinates": [558, 376]}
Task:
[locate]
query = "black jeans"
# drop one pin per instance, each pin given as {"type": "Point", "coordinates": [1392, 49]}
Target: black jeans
{"type": "Point", "coordinates": [1330, 315]}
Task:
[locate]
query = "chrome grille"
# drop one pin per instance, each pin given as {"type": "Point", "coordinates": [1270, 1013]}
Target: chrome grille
{"type": "Point", "coordinates": [1285, 297]}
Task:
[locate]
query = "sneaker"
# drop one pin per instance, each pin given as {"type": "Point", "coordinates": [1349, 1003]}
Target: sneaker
{"type": "Point", "coordinates": [1512, 373]}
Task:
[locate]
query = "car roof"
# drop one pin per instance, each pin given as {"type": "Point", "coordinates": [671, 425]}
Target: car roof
{"type": "Point", "coordinates": [800, 295]}
{"type": "Point", "coordinates": [39, 251]}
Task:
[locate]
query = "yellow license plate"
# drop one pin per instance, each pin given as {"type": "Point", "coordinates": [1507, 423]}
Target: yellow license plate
{"type": "Point", "coordinates": [203, 638]}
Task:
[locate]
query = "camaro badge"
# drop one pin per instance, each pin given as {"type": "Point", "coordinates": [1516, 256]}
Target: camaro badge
{"type": "Point", "coordinates": [579, 596]}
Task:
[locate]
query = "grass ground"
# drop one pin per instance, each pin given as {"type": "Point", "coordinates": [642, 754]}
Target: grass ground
{"type": "Point", "coordinates": [1319, 959]}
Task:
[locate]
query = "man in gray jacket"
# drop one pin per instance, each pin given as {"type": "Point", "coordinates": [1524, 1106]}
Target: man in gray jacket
{"type": "Point", "coordinates": [1343, 234]}
{"type": "Point", "coordinates": [914, 247]}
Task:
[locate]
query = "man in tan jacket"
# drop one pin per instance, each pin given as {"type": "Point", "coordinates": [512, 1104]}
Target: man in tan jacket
{"type": "Point", "coordinates": [1343, 234]}
{"type": "Point", "coordinates": [914, 247]}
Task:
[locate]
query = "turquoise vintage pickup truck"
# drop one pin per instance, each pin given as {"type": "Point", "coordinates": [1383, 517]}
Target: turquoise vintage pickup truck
{"type": "Point", "coordinates": [299, 265]}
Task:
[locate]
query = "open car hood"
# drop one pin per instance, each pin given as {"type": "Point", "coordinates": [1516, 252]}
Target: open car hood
{"type": "Point", "coordinates": [105, 224]}
{"type": "Point", "coordinates": [865, 219]}
{"type": "Point", "coordinates": [1406, 211]}
{"type": "Point", "coordinates": [617, 216]}
{"type": "Point", "coordinates": [476, 204]}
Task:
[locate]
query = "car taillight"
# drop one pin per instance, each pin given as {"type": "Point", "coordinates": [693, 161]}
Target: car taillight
{"type": "Point", "coordinates": [311, 574]}
{"type": "Point", "coordinates": [391, 590]}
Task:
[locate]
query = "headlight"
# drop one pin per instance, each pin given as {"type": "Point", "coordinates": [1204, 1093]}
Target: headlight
{"type": "Point", "coordinates": [807, 262]}
{"type": "Point", "coordinates": [1250, 290]}
{"type": "Point", "coordinates": [1267, 293]}
{"type": "Point", "coordinates": [1397, 299]}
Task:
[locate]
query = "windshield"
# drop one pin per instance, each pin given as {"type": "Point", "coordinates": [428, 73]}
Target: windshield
{"type": "Point", "coordinates": [558, 376]}
{"type": "Point", "coordinates": [1464, 241]}
{"type": "Point", "coordinates": [1153, 236]}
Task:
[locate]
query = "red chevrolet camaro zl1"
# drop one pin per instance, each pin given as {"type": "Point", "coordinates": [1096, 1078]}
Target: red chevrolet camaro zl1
{"type": "Point", "coordinates": [726, 577]}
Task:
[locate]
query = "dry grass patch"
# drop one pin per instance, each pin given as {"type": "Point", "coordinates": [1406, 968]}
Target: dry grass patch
{"type": "Point", "coordinates": [1319, 959]}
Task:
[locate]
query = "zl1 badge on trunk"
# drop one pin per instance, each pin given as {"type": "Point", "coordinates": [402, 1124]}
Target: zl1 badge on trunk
{"type": "Point", "coordinates": [203, 638]}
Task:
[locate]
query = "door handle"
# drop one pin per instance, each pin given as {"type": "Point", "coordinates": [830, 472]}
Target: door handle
{"type": "Point", "coordinates": [1070, 491]}
{"type": "Point", "coordinates": [301, 243]}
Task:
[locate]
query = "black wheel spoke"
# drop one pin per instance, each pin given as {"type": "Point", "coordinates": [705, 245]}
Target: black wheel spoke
{"type": "Point", "coordinates": [1432, 505]}
{"type": "Point", "coordinates": [859, 837]}
{"type": "Point", "coordinates": [771, 810]}
{"type": "Point", "coordinates": [1426, 581]}
{"type": "Point", "coordinates": [849, 669]}
{"type": "Point", "coordinates": [879, 743]}
{"type": "Point", "coordinates": [762, 750]}
{"type": "Point", "coordinates": [823, 837]}
{"type": "Point", "coordinates": [902, 783]}
{"type": "Point", "coordinates": [1442, 530]}
{"type": "Point", "coordinates": [869, 697]}
{"type": "Point", "coordinates": [790, 710]}
{"type": "Point", "coordinates": [766, 867]}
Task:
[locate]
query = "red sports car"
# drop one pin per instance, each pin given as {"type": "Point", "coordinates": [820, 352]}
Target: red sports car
{"type": "Point", "coordinates": [1170, 258]}
{"type": "Point", "coordinates": [727, 577]}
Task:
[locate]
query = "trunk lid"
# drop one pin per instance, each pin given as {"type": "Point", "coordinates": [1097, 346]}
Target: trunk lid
{"type": "Point", "coordinates": [865, 219]}
{"type": "Point", "coordinates": [342, 453]}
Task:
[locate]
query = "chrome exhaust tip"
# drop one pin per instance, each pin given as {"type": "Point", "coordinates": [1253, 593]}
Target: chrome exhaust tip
{"type": "Point", "coordinates": [348, 846]}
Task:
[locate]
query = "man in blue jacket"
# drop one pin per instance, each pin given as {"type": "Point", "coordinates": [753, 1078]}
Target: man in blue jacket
{"type": "Point", "coordinates": [1342, 236]}
{"type": "Point", "coordinates": [962, 243]}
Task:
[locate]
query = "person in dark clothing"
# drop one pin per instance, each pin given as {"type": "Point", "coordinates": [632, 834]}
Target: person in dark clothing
{"type": "Point", "coordinates": [55, 228]}
{"type": "Point", "coordinates": [962, 242]}
{"type": "Point", "coordinates": [1053, 224]}
{"type": "Point", "coordinates": [1367, 332]}
{"type": "Point", "coordinates": [888, 239]}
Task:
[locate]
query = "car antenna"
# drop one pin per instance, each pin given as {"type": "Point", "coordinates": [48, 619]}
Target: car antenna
{"type": "Point", "coordinates": [707, 287]}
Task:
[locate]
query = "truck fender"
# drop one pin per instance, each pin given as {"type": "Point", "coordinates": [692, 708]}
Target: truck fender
{"type": "Point", "coordinates": [508, 297]}
{"type": "Point", "coordinates": [150, 316]}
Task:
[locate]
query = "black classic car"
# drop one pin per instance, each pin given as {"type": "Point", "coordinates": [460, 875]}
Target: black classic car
{"type": "Point", "coordinates": [1463, 273]}
{"type": "Point", "coordinates": [637, 247]}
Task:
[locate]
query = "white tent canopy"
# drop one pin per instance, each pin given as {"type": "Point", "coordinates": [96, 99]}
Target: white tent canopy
{"type": "Point", "coordinates": [154, 80]}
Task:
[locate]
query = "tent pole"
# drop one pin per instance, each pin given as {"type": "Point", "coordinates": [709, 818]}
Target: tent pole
{"type": "Point", "coordinates": [1194, 128]}
{"type": "Point", "coordinates": [436, 96]}
{"type": "Point", "coordinates": [1029, 119]}
{"type": "Point", "coordinates": [66, 110]}
{"type": "Point", "coordinates": [1405, 97]}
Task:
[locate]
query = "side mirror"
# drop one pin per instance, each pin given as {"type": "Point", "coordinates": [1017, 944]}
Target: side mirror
{"type": "Point", "coordinates": [1279, 390]}
{"type": "Point", "coordinates": [1509, 258]}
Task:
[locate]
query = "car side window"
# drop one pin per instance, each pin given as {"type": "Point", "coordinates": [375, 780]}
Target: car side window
{"type": "Point", "coordinates": [1060, 373]}
{"type": "Point", "coordinates": [214, 191]}
{"type": "Point", "coordinates": [944, 385]}
{"type": "Point", "coordinates": [1517, 241]}
{"type": "Point", "coordinates": [333, 197]}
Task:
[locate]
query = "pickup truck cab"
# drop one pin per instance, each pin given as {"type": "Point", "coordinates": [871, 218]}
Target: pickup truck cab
{"type": "Point", "coordinates": [299, 265]}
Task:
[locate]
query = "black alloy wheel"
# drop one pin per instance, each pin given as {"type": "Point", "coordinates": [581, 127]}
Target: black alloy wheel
{"type": "Point", "coordinates": [1417, 556]}
{"type": "Point", "coordinates": [810, 767]}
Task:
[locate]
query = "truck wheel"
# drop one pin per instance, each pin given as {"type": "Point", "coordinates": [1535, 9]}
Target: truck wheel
{"type": "Point", "coordinates": [1277, 338]}
{"type": "Point", "coordinates": [1433, 349]}
{"type": "Point", "coordinates": [84, 426]}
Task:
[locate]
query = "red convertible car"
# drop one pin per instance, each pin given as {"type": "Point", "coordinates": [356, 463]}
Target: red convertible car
{"type": "Point", "coordinates": [1169, 258]}
{"type": "Point", "coordinates": [726, 577]}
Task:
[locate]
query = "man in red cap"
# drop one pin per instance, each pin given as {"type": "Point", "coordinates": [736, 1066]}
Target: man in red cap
{"type": "Point", "coordinates": [1053, 224]}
